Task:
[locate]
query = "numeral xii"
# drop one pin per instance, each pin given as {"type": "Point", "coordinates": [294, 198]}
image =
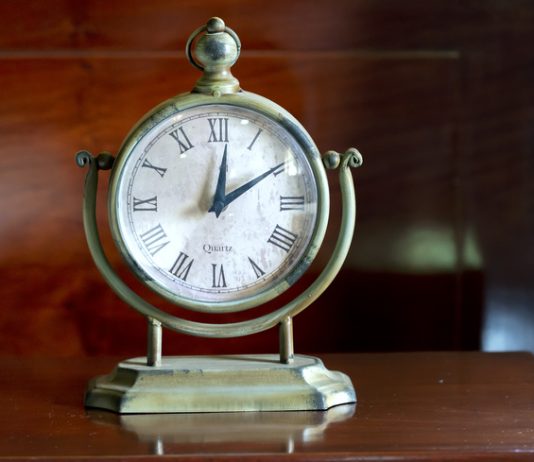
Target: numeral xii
{"type": "Point", "coordinates": [218, 130]}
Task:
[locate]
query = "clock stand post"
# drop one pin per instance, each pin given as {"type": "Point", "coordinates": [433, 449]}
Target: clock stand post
{"type": "Point", "coordinates": [155, 340]}
{"type": "Point", "coordinates": [285, 336]}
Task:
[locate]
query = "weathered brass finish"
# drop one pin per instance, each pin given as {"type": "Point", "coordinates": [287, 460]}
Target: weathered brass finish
{"type": "Point", "coordinates": [157, 384]}
{"type": "Point", "coordinates": [154, 342]}
{"type": "Point", "coordinates": [216, 52]}
{"type": "Point", "coordinates": [274, 112]}
{"type": "Point", "coordinates": [236, 329]}
{"type": "Point", "coordinates": [287, 353]}
{"type": "Point", "coordinates": [220, 384]}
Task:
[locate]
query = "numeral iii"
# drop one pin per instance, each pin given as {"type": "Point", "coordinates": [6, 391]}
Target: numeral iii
{"type": "Point", "coordinates": [291, 203]}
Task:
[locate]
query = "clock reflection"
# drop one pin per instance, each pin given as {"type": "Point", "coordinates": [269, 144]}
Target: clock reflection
{"type": "Point", "coordinates": [239, 432]}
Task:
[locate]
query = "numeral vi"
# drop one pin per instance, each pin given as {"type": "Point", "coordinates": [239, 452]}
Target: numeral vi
{"type": "Point", "coordinates": [218, 279]}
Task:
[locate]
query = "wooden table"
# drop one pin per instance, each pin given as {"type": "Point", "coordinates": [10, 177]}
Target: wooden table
{"type": "Point", "coordinates": [411, 406]}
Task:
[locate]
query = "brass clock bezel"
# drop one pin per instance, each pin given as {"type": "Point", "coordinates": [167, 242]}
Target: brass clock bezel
{"type": "Point", "coordinates": [279, 116]}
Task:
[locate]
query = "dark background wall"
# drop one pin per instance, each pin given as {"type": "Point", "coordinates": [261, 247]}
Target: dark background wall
{"type": "Point", "coordinates": [437, 95]}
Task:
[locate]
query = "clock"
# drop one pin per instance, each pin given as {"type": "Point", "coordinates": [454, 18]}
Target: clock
{"type": "Point", "coordinates": [215, 204]}
{"type": "Point", "coordinates": [218, 202]}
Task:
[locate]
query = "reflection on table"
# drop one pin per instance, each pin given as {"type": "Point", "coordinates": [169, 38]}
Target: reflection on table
{"type": "Point", "coordinates": [221, 432]}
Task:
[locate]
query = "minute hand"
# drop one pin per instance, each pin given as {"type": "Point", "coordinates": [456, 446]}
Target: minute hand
{"type": "Point", "coordinates": [230, 197]}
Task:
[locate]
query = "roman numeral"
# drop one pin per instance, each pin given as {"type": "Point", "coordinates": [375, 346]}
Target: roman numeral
{"type": "Point", "coordinates": [154, 239]}
{"type": "Point", "coordinates": [181, 138]}
{"type": "Point", "coordinates": [218, 279]}
{"type": "Point", "coordinates": [218, 130]}
{"type": "Point", "coordinates": [282, 238]}
{"type": "Point", "coordinates": [249, 147]}
{"type": "Point", "coordinates": [145, 205]}
{"type": "Point", "coordinates": [291, 203]}
{"type": "Point", "coordinates": [257, 270]}
{"type": "Point", "coordinates": [181, 266]}
{"type": "Point", "coordinates": [161, 171]}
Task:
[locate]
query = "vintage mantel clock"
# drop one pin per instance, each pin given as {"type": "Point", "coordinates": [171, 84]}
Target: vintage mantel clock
{"type": "Point", "coordinates": [218, 201]}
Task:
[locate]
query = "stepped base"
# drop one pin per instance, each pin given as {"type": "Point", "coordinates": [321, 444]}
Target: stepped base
{"type": "Point", "coordinates": [220, 384]}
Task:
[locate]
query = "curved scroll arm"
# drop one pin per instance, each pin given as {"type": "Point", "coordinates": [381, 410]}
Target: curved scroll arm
{"type": "Point", "coordinates": [332, 160]}
{"type": "Point", "coordinates": [350, 158]}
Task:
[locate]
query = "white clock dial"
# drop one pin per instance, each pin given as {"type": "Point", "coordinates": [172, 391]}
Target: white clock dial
{"type": "Point", "coordinates": [215, 204]}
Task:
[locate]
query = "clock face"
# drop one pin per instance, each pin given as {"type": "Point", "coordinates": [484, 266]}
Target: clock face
{"type": "Point", "coordinates": [216, 203]}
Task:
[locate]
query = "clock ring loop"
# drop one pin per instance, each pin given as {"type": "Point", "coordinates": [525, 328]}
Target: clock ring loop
{"type": "Point", "coordinates": [236, 329]}
{"type": "Point", "coordinates": [208, 30]}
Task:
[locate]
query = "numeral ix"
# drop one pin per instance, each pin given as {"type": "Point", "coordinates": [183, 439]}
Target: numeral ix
{"type": "Point", "coordinates": [145, 205]}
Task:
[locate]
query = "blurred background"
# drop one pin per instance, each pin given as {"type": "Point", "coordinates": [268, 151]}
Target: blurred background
{"type": "Point", "coordinates": [437, 95]}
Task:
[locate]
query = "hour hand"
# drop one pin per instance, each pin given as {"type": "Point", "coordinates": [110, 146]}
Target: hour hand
{"type": "Point", "coordinates": [219, 198]}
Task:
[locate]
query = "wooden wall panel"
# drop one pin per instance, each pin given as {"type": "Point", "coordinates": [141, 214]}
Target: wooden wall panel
{"type": "Point", "coordinates": [436, 96]}
{"type": "Point", "coordinates": [166, 24]}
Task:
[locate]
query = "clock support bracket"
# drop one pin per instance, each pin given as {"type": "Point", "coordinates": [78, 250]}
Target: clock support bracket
{"type": "Point", "coordinates": [159, 384]}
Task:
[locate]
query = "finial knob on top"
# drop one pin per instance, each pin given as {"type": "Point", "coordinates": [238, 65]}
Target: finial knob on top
{"type": "Point", "coordinates": [215, 52]}
{"type": "Point", "coordinates": [214, 25]}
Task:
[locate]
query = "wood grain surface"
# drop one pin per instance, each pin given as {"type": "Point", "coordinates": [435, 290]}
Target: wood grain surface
{"type": "Point", "coordinates": [411, 406]}
{"type": "Point", "coordinates": [436, 95]}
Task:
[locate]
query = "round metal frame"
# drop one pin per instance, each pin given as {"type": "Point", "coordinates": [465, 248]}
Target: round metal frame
{"type": "Point", "coordinates": [278, 115]}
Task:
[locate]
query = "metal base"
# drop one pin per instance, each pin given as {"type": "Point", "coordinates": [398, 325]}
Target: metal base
{"type": "Point", "coordinates": [220, 384]}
